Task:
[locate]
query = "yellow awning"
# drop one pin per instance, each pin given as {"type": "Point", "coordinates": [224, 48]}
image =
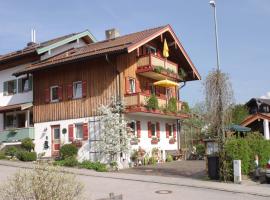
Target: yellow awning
{"type": "Point", "coordinates": [166, 83]}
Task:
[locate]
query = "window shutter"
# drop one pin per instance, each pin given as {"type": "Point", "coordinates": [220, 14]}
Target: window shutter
{"type": "Point", "coordinates": [127, 85]}
{"type": "Point", "coordinates": [60, 93]}
{"type": "Point", "coordinates": [158, 129]}
{"type": "Point", "coordinates": [15, 87]}
{"type": "Point", "coordinates": [5, 88]}
{"type": "Point", "coordinates": [47, 95]}
{"type": "Point", "coordinates": [138, 124]}
{"type": "Point", "coordinates": [69, 91]}
{"type": "Point", "coordinates": [84, 88]}
{"type": "Point", "coordinates": [30, 82]}
{"type": "Point", "coordinates": [20, 85]}
{"type": "Point", "coordinates": [70, 132]}
{"type": "Point", "coordinates": [138, 87]}
{"type": "Point", "coordinates": [85, 131]}
{"type": "Point", "coordinates": [149, 130]}
{"type": "Point", "coordinates": [174, 131]}
{"type": "Point", "coordinates": [167, 131]}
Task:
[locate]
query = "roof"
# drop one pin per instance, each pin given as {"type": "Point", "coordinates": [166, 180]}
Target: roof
{"type": "Point", "coordinates": [259, 101]}
{"type": "Point", "coordinates": [238, 128]}
{"type": "Point", "coordinates": [39, 48]}
{"type": "Point", "coordinates": [21, 106]}
{"type": "Point", "coordinates": [252, 118]}
{"type": "Point", "coordinates": [126, 43]}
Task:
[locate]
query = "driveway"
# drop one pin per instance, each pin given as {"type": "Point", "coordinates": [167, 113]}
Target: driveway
{"type": "Point", "coordinates": [187, 168]}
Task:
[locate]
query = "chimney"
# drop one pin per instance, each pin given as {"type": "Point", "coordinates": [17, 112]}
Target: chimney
{"type": "Point", "coordinates": [112, 33]}
{"type": "Point", "coordinates": [33, 38]}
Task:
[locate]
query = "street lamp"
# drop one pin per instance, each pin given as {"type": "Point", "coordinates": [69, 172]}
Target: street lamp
{"type": "Point", "coordinates": [213, 4]}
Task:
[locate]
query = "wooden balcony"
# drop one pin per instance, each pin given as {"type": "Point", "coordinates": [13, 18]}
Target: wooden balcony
{"type": "Point", "coordinates": [137, 103]}
{"type": "Point", "coordinates": [157, 68]}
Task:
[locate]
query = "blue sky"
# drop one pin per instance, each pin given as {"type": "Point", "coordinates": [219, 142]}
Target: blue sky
{"type": "Point", "coordinates": [244, 32]}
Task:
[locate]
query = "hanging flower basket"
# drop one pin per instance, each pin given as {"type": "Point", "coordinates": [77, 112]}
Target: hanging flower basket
{"type": "Point", "coordinates": [154, 140]}
{"type": "Point", "coordinates": [172, 141]}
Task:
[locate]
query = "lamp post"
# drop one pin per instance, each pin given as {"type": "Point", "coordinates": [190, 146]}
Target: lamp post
{"type": "Point", "coordinates": [213, 4]}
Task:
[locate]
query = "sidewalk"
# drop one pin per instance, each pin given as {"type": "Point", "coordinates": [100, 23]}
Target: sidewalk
{"type": "Point", "coordinates": [245, 188]}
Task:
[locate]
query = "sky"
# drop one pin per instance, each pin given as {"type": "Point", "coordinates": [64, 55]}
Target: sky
{"type": "Point", "coordinates": [243, 27]}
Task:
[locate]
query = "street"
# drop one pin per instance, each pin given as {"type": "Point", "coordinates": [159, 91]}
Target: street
{"type": "Point", "coordinates": [99, 186]}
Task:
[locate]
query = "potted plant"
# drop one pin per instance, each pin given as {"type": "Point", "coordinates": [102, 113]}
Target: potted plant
{"type": "Point", "coordinates": [152, 103]}
{"type": "Point", "coordinates": [172, 140]}
{"type": "Point", "coordinates": [154, 140]}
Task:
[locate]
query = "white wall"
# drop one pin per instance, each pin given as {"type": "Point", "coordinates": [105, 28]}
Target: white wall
{"type": "Point", "coordinates": [43, 130]}
{"type": "Point", "coordinates": [6, 75]}
{"type": "Point", "coordinates": [61, 49]}
{"type": "Point", "coordinates": [145, 142]}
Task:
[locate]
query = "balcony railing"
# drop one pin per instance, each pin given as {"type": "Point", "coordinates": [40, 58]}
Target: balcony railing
{"type": "Point", "coordinates": [161, 67]}
{"type": "Point", "coordinates": [16, 135]}
{"type": "Point", "coordinates": [140, 100]}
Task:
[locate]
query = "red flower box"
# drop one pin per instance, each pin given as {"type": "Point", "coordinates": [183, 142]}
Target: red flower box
{"type": "Point", "coordinates": [154, 140]}
{"type": "Point", "coordinates": [172, 141]}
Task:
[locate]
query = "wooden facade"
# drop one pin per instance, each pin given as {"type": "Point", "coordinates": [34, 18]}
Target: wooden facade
{"type": "Point", "coordinates": [100, 77]}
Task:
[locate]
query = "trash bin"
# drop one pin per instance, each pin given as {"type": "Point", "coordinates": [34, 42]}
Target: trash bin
{"type": "Point", "coordinates": [213, 167]}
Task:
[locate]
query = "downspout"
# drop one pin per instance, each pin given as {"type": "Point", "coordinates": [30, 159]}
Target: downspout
{"type": "Point", "coordinates": [179, 124]}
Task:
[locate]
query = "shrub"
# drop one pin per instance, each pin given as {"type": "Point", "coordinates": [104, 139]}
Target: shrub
{"type": "Point", "coordinates": [152, 161]}
{"type": "Point", "coordinates": [200, 149]}
{"type": "Point", "coordinates": [68, 150]}
{"type": "Point", "coordinates": [152, 102]}
{"type": "Point", "coordinates": [169, 158]}
{"type": "Point", "coordinates": [26, 156]}
{"type": "Point", "coordinates": [11, 151]}
{"type": "Point", "coordinates": [42, 183]}
{"type": "Point", "coordinates": [28, 144]}
{"type": "Point", "coordinates": [68, 162]}
{"type": "Point", "coordinates": [172, 105]}
{"type": "Point", "coordinates": [2, 155]}
{"type": "Point", "coordinates": [146, 160]}
{"type": "Point", "coordinates": [97, 166]}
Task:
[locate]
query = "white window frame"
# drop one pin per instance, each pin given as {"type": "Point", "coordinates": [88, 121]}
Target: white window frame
{"type": "Point", "coordinates": [132, 87]}
{"type": "Point", "coordinates": [74, 92]}
{"type": "Point", "coordinates": [78, 124]}
{"type": "Point", "coordinates": [51, 92]}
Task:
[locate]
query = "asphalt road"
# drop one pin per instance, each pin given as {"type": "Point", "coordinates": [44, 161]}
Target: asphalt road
{"type": "Point", "coordinates": [100, 187]}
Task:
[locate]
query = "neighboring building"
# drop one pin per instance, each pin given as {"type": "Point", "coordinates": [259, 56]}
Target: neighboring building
{"type": "Point", "coordinates": [70, 86]}
{"type": "Point", "coordinates": [258, 120]}
{"type": "Point", "coordinates": [16, 93]}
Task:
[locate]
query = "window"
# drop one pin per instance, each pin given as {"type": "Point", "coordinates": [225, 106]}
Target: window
{"type": "Point", "coordinates": [153, 129]}
{"type": "Point", "coordinates": [54, 94]}
{"type": "Point", "coordinates": [79, 131]}
{"type": "Point", "coordinates": [170, 129]}
{"type": "Point", "coordinates": [151, 50]}
{"type": "Point", "coordinates": [132, 85]}
{"type": "Point", "coordinates": [77, 90]}
{"type": "Point", "coordinates": [25, 84]}
{"type": "Point", "coordinates": [10, 120]}
{"type": "Point", "coordinates": [10, 87]}
{"type": "Point", "coordinates": [56, 133]}
{"type": "Point", "coordinates": [133, 127]}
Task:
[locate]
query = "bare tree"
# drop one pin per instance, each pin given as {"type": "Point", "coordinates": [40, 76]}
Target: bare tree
{"type": "Point", "coordinates": [218, 98]}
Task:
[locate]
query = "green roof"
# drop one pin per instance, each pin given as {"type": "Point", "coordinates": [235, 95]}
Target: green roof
{"type": "Point", "coordinates": [65, 41]}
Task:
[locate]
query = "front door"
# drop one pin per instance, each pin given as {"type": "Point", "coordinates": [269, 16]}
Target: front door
{"type": "Point", "coordinates": [55, 140]}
